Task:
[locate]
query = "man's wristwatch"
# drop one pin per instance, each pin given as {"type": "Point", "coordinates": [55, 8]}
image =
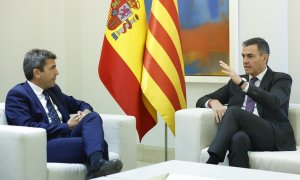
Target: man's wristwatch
{"type": "Point", "coordinates": [241, 83]}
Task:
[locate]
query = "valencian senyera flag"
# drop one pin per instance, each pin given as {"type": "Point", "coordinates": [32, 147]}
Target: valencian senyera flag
{"type": "Point", "coordinates": [124, 72]}
{"type": "Point", "coordinates": [163, 81]}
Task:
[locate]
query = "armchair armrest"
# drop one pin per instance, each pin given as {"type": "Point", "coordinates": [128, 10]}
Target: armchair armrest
{"type": "Point", "coordinates": [20, 145]}
{"type": "Point", "coordinates": [120, 134]}
{"type": "Point", "coordinates": [294, 116]}
{"type": "Point", "coordinates": [195, 130]}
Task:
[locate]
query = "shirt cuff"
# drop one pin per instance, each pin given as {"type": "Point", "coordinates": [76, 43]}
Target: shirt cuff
{"type": "Point", "coordinates": [246, 88]}
{"type": "Point", "coordinates": [206, 103]}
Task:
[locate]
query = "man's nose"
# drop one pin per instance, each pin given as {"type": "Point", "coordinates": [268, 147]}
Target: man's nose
{"type": "Point", "coordinates": [245, 60]}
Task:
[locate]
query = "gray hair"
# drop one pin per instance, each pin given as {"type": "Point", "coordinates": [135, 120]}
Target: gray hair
{"type": "Point", "coordinates": [35, 59]}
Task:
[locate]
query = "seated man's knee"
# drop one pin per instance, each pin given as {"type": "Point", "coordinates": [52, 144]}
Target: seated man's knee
{"type": "Point", "coordinates": [233, 110]}
{"type": "Point", "coordinates": [240, 138]}
{"type": "Point", "coordinates": [93, 116]}
{"type": "Point", "coordinates": [232, 113]}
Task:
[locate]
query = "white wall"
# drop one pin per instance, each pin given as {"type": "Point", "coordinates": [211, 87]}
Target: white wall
{"type": "Point", "coordinates": [74, 30]}
{"type": "Point", "coordinates": [294, 47]}
{"type": "Point", "coordinates": [21, 28]}
{"type": "Point", "coordinates": [267, 19]}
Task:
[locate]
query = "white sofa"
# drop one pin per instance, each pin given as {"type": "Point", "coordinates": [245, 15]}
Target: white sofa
{"type": "Point", "coordinates": [196, 128]}
{"type": "Point", "coordinates": [23, 150]}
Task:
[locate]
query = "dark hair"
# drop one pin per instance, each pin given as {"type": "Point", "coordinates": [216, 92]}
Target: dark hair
{"type": "Point", "coordinates": [262, 45]}
{"type": "Point", "coordinates": [35, 59]}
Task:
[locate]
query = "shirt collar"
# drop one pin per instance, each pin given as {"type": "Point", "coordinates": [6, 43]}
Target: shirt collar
{"type": "Point", "coordinates": [36, 89]}
{"type": "Point", "coordinates": [261, 75]}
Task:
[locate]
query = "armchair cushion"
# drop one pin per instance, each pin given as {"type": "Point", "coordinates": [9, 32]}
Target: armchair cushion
{"type": "Point", "coordinates": [280, 161]}
{"type": "Point", "coordinates": [66, 171]}
{"type": "Point", "coordinates": [70, 171]}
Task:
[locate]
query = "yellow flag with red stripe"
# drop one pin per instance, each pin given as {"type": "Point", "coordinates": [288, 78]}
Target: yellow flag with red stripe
{"type": "Point", "coordinates": [163, 81]}
{"type": "Point", "coordinates": [121, 61]}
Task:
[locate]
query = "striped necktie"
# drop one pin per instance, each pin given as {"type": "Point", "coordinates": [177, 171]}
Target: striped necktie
{"type": "Point", "coordinates": [52, 114]}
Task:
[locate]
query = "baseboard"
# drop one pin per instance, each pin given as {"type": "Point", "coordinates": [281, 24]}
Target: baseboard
{"type": "Point", "coordinates": [153, 154]}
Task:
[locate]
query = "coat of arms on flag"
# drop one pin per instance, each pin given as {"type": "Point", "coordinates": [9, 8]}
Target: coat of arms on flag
{"type": "Point", "coordinates": [121, 13]}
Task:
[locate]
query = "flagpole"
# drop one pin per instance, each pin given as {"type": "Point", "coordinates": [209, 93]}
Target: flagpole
{"type": "Point", "coordinates": [166, 142]}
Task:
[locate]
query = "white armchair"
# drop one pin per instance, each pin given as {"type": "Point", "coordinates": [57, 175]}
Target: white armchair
{"type": "Point", "coordinates": [23, 150]}
{"type": "Point", "coordinates": [196, 128]}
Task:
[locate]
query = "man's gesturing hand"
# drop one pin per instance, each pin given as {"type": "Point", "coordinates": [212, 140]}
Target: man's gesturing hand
{"type": "Point", "coordinates": [230, 72]}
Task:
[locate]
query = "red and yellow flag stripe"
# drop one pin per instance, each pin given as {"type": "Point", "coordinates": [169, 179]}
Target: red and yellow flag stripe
{"type": "Point", "coordinates": [163, 71]}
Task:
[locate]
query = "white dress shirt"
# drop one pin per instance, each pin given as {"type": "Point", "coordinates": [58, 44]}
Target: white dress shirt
{"type": "Point", "coordinates": [39, 93]}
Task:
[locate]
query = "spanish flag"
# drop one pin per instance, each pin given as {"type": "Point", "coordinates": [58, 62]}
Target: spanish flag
{"type": "Point", "coordinates": [163, 81]}
{"type": "Point", "coordinates": [121, 61]}
{"type": "Point", "coordinates": [142, 67]}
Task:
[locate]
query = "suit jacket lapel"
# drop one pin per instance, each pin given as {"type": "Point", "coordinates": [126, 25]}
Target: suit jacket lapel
{"type": "Point", "coordinates": [36, 101]}
{"type": "Point", "coordinates": [264, 84]}
{"type": "Point", "coordinates": [266, 79]}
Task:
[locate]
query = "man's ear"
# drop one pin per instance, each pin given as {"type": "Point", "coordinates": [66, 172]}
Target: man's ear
{"type": "Point", "coordinates": [266, 57]}
{"type": "Point", "coordinates": [36, 74]}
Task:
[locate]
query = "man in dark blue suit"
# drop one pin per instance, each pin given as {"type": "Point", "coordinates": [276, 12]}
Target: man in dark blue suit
{"type": "Point", "coordinates": [256, 117]}
{"type": "Point", "coordinates": [39, 102]}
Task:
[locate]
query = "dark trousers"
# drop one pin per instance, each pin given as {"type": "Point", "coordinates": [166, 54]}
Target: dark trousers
{"type": "Point", "coordinates": [86, 138]}
{"type": "Point", "coordinates": [240, 132]}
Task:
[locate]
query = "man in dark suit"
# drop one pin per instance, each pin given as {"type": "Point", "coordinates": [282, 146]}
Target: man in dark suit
{"type": "Point", "coordinates": [256, 116]}
{"type": "Point", "coordinates": [39, 102]}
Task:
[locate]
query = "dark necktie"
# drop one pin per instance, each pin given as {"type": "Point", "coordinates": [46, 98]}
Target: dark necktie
{"type": "Point", "coordinates": [250, 102]}
{"type": "Point", "coordinates": [51, 110]}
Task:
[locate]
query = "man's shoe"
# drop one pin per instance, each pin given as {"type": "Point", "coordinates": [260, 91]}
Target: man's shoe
{"type": "Point", "coordinates": [108, 167]}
